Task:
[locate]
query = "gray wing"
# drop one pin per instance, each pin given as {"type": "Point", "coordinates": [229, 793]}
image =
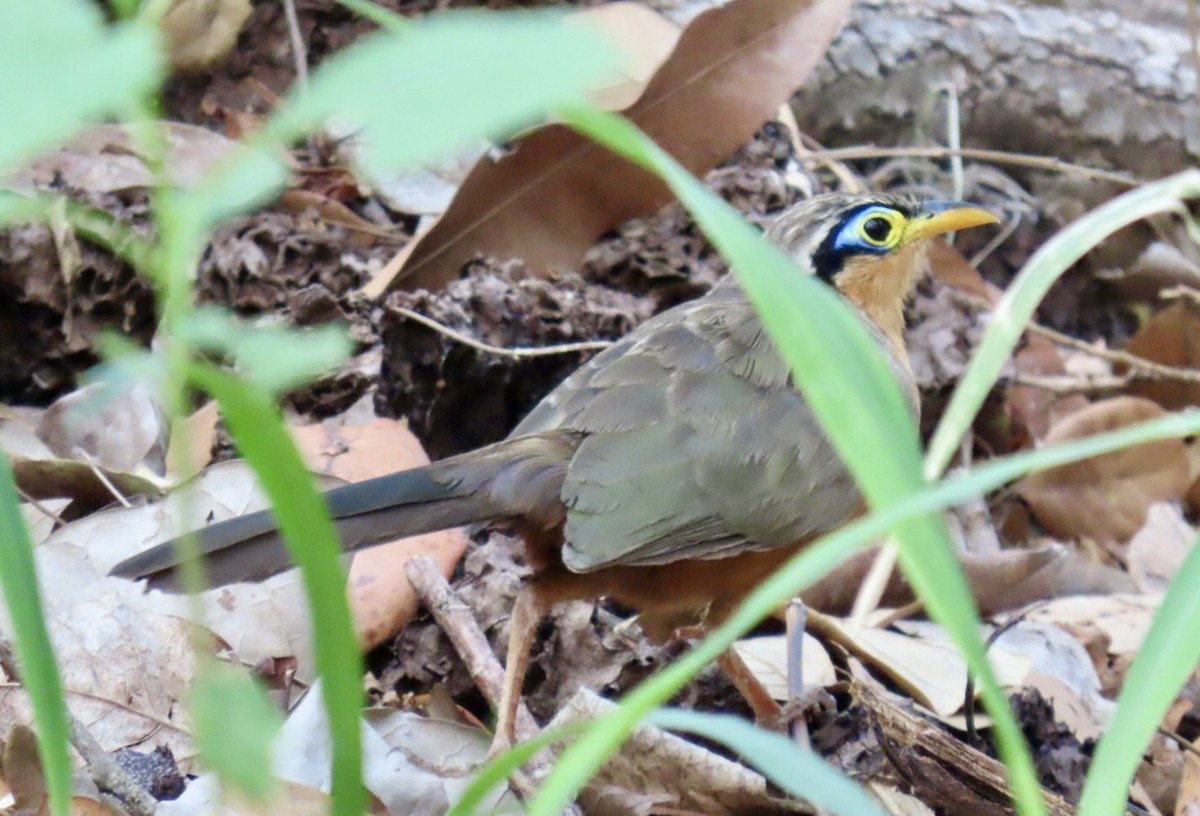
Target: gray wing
{"type": "Point", "coordinates": [696, 446]}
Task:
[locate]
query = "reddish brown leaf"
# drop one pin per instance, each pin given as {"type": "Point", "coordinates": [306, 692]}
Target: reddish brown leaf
{"type": "Point", "coordinates": [1106, 498]}
{"type": "Point", "coordinates": [950, 267]}
{"type": "Point", "coordinates": [555, 192]}
{"type": "Point", "coordinates": [380, 596]}
{"type": "Point", "coordinates": [1171, 337]}
{"type": "Point", "coordinates": [1034, 411]}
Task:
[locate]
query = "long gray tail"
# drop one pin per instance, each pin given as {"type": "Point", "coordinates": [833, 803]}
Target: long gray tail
{"type": "Point", "coordinates": [516, 478]}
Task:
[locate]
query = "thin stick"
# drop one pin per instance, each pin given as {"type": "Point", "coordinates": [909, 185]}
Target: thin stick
{"type": "Point", "coordinates": [850, 181]}
{"type": "Point", "coordinates": [994, 156]}
{"type": "Point", "coordinates": [37, 505]}
{"type": "Point", "coordinates": [456, 620]}
{"type": "Point", "coordinates": [516, 353]}
{"type": "Point", "coordinates": [954, 142]}
{"type": "Point", "coordinates": [299, 49]}
{"type": "Point", "coordinates": [872, 588]}
{"type": "Point", "coordinates": [104, 480]}
{"type": "Point", "coordinates": [1140, 367]}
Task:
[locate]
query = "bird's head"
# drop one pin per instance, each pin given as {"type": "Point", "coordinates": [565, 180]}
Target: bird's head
{"type": "Point", "coordinates": [871, 248]}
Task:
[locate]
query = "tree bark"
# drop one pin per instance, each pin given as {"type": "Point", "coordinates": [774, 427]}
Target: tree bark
{"type": "Point", "coordinates": [1091, 87]}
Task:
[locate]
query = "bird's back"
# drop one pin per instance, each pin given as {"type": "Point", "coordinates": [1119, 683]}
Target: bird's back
{"type": "Point", "coordinates": [694, 443]}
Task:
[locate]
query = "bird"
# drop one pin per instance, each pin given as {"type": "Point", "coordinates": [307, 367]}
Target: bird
{"type": "Point", "coordinates": [672, 472]}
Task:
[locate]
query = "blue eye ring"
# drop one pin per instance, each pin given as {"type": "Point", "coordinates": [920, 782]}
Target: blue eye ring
{"type": "Point", "coordinates": [875, 229]}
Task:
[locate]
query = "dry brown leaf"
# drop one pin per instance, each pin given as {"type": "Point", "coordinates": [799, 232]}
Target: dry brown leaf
{"type": "Point", "coordinates": [548, 199]}
{"type": "Point", "coordinates": [655, 766]}
{"type": "Point", "coordinates": [932, 671]}
{"type": "Point", "coordinates": [949, 266]}
{"type": "Point", "coordinates": [380, 596]}
{"type": "Point", "coordinates": [1082, 715]}
{"type": "Point", "coordinates": [1110, 628]}
{"type": "Point", "coordinates": [331, 211]}
{"type": "Point", "coordinates": [200, 32]}
{"type": "Point", "coordinates": [18, 433]}
{"type": "Point", "coordinates": [23, 768]}
{"type": "Point", "coordinates": [191, 446]}
{"type": "Point", "coordinates": [80, 482]}
{"type": "Point", "coordinates": [1188, 803]}
{"type": "Point", "coordinates": [1156, 552]}
{"type": "Point", "coordinates": [1106, 498]}
{"type": "Point", "coordinates": [104, 159]}
{"type": "Point", "coordinates": [766, 657]}
{"type": "Point", "coordinates": [897, 803]}
{"type": "Point", "coordinates": [1171, 337]}
{"type": "Point", "coordinates": [647, 40]}
{"type": "Point", "coordinates": [125, 653]}
{"type": "Point", "coordinates": [1033, 411]}
{"type": "Point", "coordinates": [119, 427]}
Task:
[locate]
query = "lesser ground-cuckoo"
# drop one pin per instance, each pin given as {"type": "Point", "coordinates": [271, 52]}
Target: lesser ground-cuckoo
{"type": "Point", "coordinates": [672, 472]}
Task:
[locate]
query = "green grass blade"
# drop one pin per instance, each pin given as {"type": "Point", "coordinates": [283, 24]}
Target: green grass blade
{"type": "Point", "coordinates": [801, 773]}
{"type": "Point", "coordinates": [64, 68]}
{"type": "Point", "coordinates": [31, 640]}
{"type": "Point", "coordinates": [849, 388]}
{"type": "Point", "coordinates": [501, 767]}
{"type": "Point", "coordinates": [580, 761]}
{"type": "Point", "coordinates": [810, 565]}
{"type": "Point", "coordinates": [1166, 660]}
{"type": "Point", "coordinates": [1016, 308]}
{"type": "Point", "coordinates": [261, 437]}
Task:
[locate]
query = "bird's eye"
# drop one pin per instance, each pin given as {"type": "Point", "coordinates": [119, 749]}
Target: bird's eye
{"type": "Point", "coordinates": [877, 230]}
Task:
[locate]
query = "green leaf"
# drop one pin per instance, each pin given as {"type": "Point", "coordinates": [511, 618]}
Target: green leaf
{"type": "Point", "coordinates": [250, 176]}
{"type": "Point", "coordinates": [502, 766]}
{"type": "Point", "coordinates": [858, 402]}
{"type": "Point", "coordinates": [274, 358]}
{"type": "Point", "coordinates": [801, 773]}
{"type": "Point", "coordinates": [808, 566]}
{"type": "Point", "coordinates": [235, 724]}
{"type": "Point", "coordinates": [261, 437]}
{"type": "Point", "coordinates": [31, 641]}
{"type": "Point", "coordinates": [1165, 661]}
{"type": "Point", "coordinates": [62, 67]}
{"type": "Point", "coordinates": [449, 80]}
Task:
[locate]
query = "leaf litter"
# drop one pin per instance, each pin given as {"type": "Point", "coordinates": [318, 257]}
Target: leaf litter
{"type": "Point", "coordinates": [1122, 524]}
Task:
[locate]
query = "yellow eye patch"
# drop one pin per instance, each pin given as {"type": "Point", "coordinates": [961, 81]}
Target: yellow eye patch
{"type": "Point", "coordinates": [880, 227]}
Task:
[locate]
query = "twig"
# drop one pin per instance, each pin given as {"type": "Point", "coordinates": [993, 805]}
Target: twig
{"type": "Point", "coordinates": [1139, 367]}
{"type": "Point", "coordinates": [456, 620]}
{"type": "Point", "coordinates": [1066, 384]}
{"type": "Point", "coordinates": [870, 592]}
{"type": "Point", "coordinates": [1002, 235]}
{"type": "Point", "coordinates": [299, 50]}
{"type": "Point", "coordinates": [997, 633]}
{"type": "Point", "coordinates": [804, 145]}
{"type": "Point", "coordinates": [994, 156]}
{"type": "Point", "coordinates": [104, 480]}
{"type": "Point", "coordinates": [1180, 741]}
{"type": "Point", "coordinates": [515, 353]}
{"type": "Point", "coordinates": [105, 771]}
{"type": "Point", "coordinates": [954, 142]}
{"type": "Point", "coordinates": [37, 505]}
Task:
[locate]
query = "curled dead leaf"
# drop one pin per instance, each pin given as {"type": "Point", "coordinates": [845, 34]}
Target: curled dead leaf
{"type": "Point", "coordinates": [200, 32]}
{"type": "Point", "coordinates": [1171, 337]}
{"type": "Point", "coordinates": [1106, 498]}
{"type": "Point", "coordinates": [554, 192]}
